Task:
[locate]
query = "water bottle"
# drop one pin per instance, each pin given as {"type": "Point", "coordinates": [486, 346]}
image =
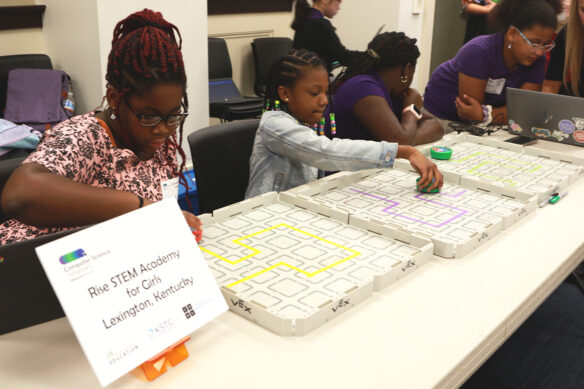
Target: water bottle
{"type": "Point", "coordinates": [69, 102]}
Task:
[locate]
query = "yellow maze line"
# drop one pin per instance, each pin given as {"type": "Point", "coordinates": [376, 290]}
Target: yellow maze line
{"type": "Point", "coordinates": [472, 170]}
{"type": "Point", "coordinates": [255, 252]}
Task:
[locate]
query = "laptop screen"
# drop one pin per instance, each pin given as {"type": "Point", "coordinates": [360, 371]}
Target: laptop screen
{"type": "Point", "coordinates": [219, 90]}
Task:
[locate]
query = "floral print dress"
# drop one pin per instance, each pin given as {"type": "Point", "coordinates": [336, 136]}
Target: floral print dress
{"type": "Point", "coordinates": [82, 150]}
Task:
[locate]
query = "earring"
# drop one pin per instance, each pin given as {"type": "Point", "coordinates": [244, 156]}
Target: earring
{"type": "Point", "coordinates": [404, 78]}
{"type": "Point", "coordinates": [509, 45]}
{"type": "Point", "coordinates": [286, 99]}
{"type": "Point", "coordinates": [113, 115]}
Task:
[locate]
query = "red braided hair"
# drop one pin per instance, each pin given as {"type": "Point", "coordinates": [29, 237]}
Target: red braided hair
{"type": "Point", "coordinates": [145, 53]}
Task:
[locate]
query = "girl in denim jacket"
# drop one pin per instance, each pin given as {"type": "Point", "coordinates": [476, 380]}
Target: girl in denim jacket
{"type": "Point", "coordinates": [288, 151]}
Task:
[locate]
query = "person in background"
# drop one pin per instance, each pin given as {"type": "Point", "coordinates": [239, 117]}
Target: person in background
{"type": "Point", "coordinates": [103, 164]}
{"type": "Point", "coordinates": [315, 33]}
{"type": "Point", "coordinates": [373, 99]}
{"type": "Point", "coordinates": [565, 72]}
{"type": "Point", "coordinates": [288, 152]}
{"type": "Point", "coordinates": [471, 86]}
{"type": "Point", "coordinates": [476, 12]}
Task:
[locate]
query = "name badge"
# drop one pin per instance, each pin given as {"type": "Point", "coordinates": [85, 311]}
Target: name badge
{"type": "Point", "coordinates": [495, 86]}
{"type": "Point", "coordinates": [170, 188]}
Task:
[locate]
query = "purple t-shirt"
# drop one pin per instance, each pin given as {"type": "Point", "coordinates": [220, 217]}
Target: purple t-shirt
{"type": "Point", "coordinates": [480, 58]}
{"type": "Point", "coordinates": [315, 14]}
{"type": "Point", "coordinates": [348, 95]}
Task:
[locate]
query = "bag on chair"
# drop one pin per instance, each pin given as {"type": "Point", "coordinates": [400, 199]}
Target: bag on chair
{"type": "Point", "coordinates": [35, 97]}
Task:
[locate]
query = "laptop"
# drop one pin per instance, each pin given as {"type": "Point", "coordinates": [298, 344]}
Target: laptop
{"type": "Point", "coordinates": [546, 116]}
{"type": "Point", "coordinates": [225, 91]}
{"type": "Point", "coordinates": [27, 296]}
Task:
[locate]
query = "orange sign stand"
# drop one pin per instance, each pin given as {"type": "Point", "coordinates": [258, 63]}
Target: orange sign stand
{"type": "Point", "coordinates": [175, 354]}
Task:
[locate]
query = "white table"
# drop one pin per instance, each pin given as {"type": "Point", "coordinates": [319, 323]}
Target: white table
{"type": "Point", "coordinates": [432, 329]}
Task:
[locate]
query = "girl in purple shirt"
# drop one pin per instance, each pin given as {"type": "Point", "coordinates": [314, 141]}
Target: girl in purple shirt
{"type": "Point", "coordinates": [373, 99]}
{"type": "Point", "coordinates": [471, 86]}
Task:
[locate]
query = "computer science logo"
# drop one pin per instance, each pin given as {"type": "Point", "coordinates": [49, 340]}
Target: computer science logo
{"type": "Point", "coordinates": [76, 264]}
{"type": "Point", "coordinates": [72, 256]}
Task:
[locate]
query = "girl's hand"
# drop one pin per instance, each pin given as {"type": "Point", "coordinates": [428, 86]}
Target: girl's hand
{"type": "Point", "coordinates": [469, 108]}
{"type": "Point", "coordinates": [412, 96]}
{"type": "Point", "coordinates": [427, 169]}
{"type": "Point", "coordinates": [193, 221]}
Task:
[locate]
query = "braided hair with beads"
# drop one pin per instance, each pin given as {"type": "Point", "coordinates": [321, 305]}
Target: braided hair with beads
{"type": "Point", "coordinates": [285, 72]}
{"type": "Point", "coordinates": [386, 50]}
{"type": "Point", "coordinates": [145, 53]}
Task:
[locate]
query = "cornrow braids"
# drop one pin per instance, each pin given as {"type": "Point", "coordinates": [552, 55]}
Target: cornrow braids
{"type": "Point", "coordinates": [386, 50]}
{"type": "Point", "coordinates": [524, 14]}
{"type": "Point", "coordinates": [286, 71]}
{"type": "Point", "coordinates": [145, 53]}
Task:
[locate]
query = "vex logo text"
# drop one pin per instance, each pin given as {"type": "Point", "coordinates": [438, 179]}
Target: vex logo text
{"type": "Point", "coordinates": [241, 304]}
{"type": "Point", "coordinates": [341, 304]}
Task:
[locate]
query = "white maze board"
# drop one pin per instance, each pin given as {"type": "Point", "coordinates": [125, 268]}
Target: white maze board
{"type": "Point", "coordinates": [457, 219]}
{"type": "Point", "coordinates": [524, 168]}
{"type": "Point", "coordinates": [291, 269]}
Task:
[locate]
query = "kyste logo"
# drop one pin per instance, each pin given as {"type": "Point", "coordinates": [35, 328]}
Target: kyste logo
{"type": "Point", "coordinates": [72, 256]}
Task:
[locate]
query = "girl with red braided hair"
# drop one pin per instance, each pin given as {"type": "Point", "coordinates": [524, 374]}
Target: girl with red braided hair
{"type": "Point", "coordinates": [105, 163]}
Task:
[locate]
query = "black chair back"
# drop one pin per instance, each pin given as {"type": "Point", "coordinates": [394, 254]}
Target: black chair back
{"type": "Point", "coordinates": [221, 162]}
{"type": "Point", "coordinates": [9, 62]}
{"type": "Point", "coordinates": [225, 100]}
{"type": "Point", "coordinates": [6, 168]}
{"type": "Point", "coordinates": [265, 52]}
{"type": "Point", "coordinates": [22, 271]}
{"type": "Point", "coordinates": [219, 60]}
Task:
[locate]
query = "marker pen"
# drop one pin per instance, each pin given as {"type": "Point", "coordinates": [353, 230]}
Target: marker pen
{"type": "Point", "coordinates": [556, 197]}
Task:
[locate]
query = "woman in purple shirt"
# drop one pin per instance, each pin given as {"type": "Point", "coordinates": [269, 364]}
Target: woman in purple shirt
{"type": "Point", "coordinates": [471, 86]}
{"type": "Point", "coordinates": [373, 99]}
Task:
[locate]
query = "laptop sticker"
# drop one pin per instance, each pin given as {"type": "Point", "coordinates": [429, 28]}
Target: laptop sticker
{"type": "Point", "coordinates": [560, 136]}
{"type": "Point", "coordinates": [541, 132]}
{"type": "Point", "coordinates": [566, 126]}
{"type": "Point", "coordinates": [515, 127]}
{"type": "Point", "coordinates": [578, 136]}
{"type": "Point", "coordinates": [579, 123]}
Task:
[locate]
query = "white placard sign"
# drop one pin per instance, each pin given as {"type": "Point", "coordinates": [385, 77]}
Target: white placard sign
{"type": "Point", "coordinates": [132, 286]}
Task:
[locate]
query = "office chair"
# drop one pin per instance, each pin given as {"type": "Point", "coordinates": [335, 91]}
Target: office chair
{"type": "Point", "coordinates": [265, 52]}
{"type": "Point", "coordinates": [225, 100]}
{"type": "Point", "coordinates": [36, 303]}
{"type": "Point", "coordinates": [221, 162]}
{"type": "Point", "coordinates": [9, 62]}
{"type": "Point", "coordinates": [7, 166]}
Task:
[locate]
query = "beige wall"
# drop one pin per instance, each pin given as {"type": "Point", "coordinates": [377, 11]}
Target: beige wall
{"type": "Point", "coordinates": [356, 25]}
{"type": "Point", "coordinates": [239, 31]}
{"type": "Point", "coordinates": [21, 41]}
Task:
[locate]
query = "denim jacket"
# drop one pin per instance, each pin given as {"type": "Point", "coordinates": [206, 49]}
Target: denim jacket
{"type": "Point", "coordinates": [287, 154]}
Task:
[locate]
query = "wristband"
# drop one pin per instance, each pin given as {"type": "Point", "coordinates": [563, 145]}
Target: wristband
{"type": "Point", "coordinates": [487, 115]}
{"type": "Point", "coordinates": [141, 204]}
{"type": "Point", "coordinates": [413, 109]}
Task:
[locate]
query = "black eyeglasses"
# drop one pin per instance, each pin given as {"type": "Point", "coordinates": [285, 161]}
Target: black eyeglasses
{"type": "Point", "coordinates": [153, 120]}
